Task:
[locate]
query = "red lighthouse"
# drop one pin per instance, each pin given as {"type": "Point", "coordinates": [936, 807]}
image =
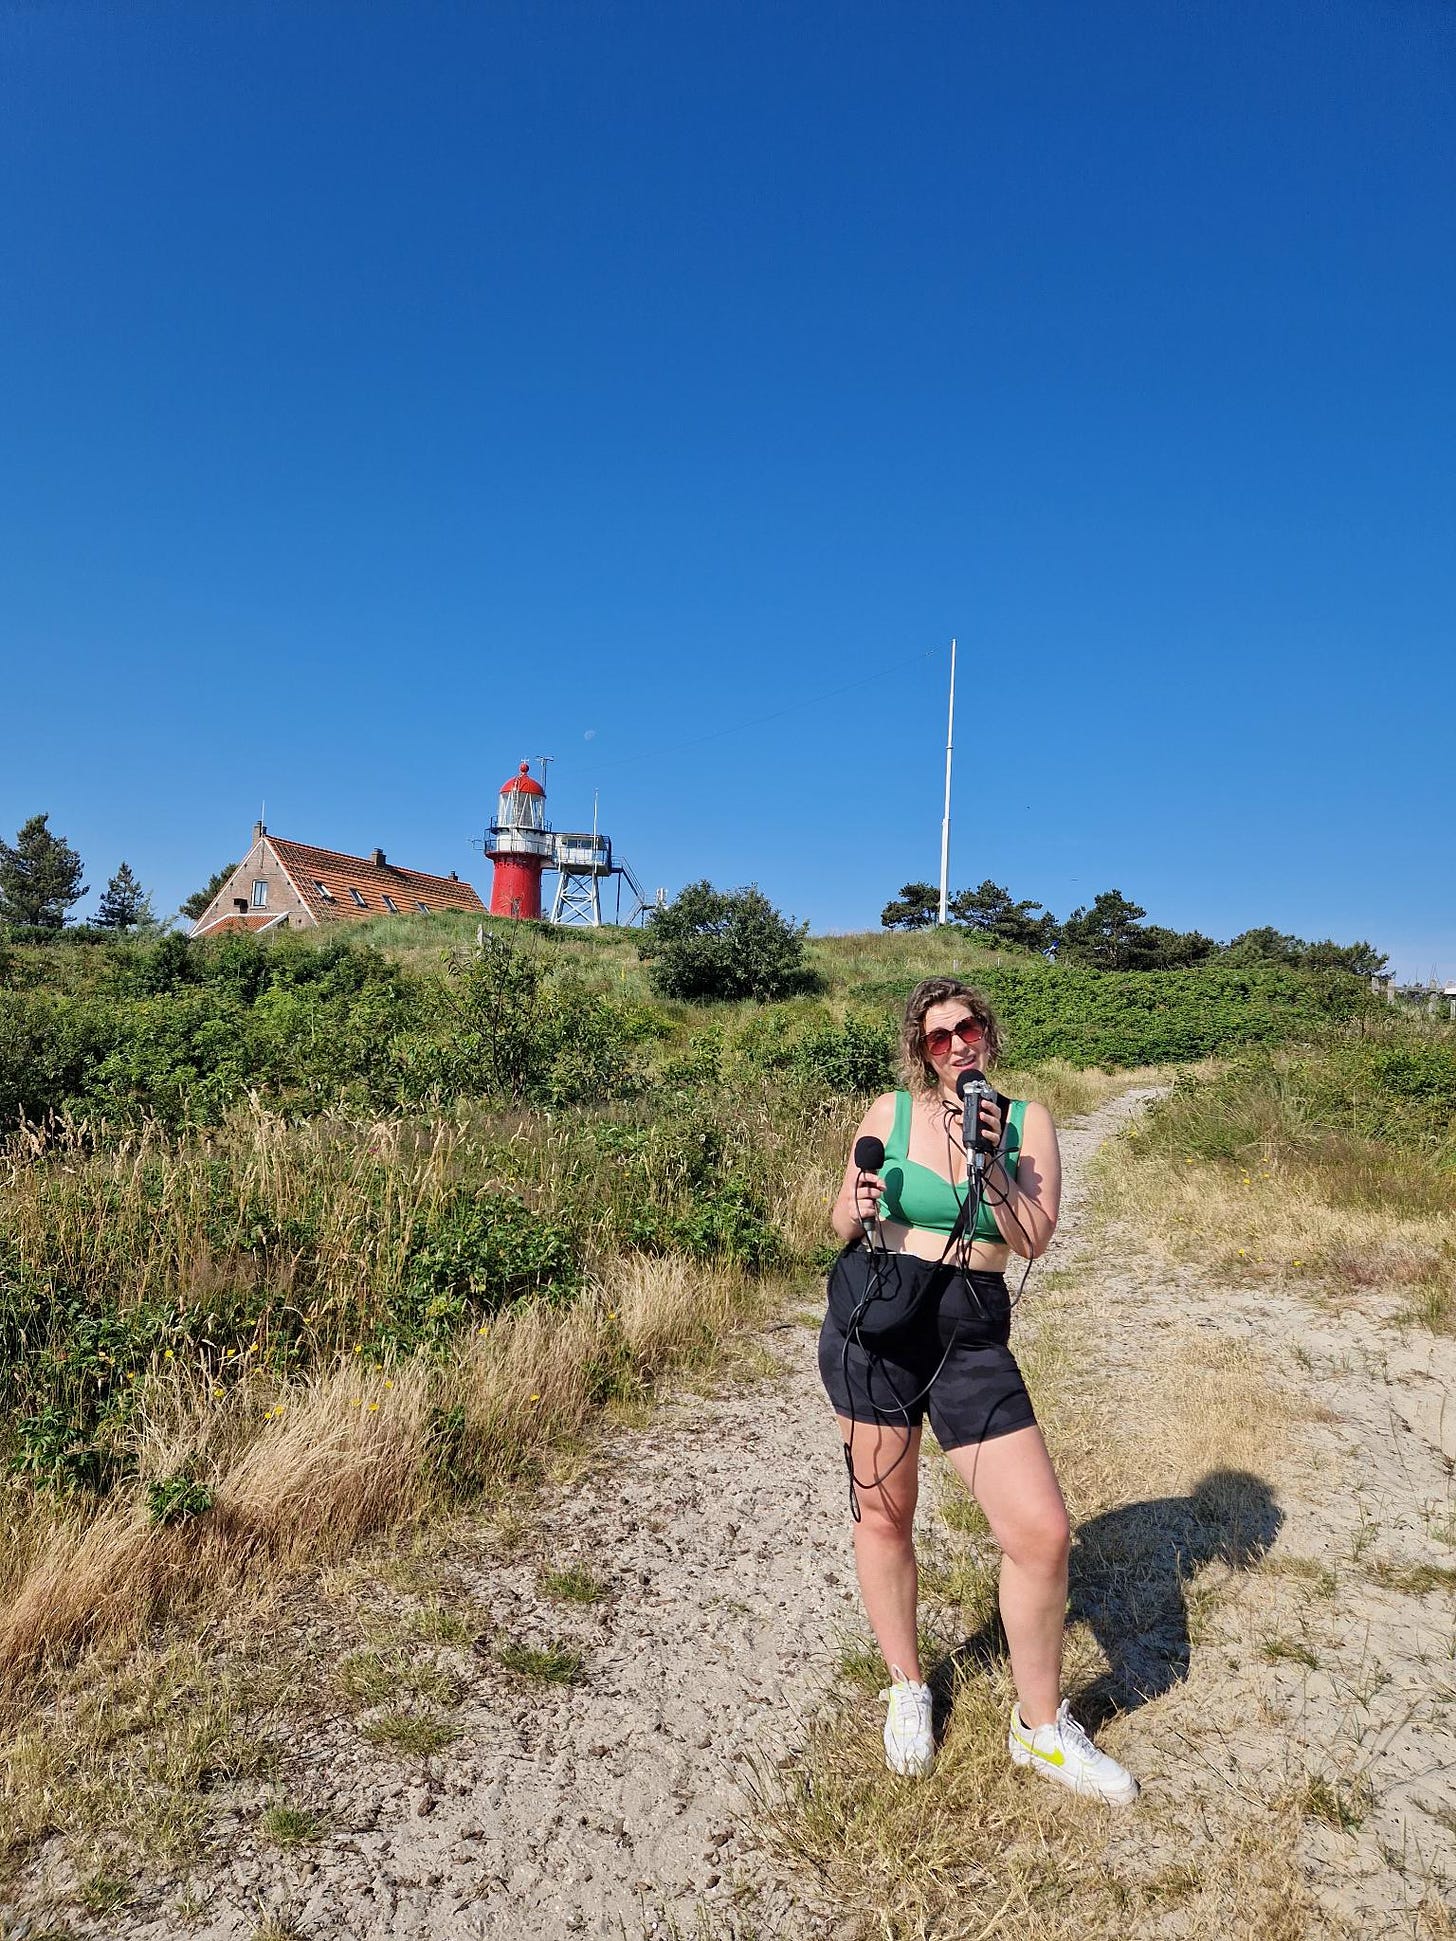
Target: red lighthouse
{"type": "Point", "coordinates": [519, 844]}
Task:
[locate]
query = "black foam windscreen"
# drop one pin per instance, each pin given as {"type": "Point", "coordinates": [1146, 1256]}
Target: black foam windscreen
{"type": "Point", "coordinates": [970, 1077]}
{"type": "Point", "coordinates": [869, 1153]}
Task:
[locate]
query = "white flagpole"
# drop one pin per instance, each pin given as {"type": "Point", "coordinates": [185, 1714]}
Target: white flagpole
{"type": "Point", "coordinates": [945, 823]}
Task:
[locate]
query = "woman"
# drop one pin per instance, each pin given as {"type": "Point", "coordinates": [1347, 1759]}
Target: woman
{"type": "Point", "coordinates": [954, 1361]}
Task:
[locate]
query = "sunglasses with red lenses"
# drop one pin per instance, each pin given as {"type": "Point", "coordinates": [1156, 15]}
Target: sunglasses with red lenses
{"type": "Point", "coordinates": [968, 1031]}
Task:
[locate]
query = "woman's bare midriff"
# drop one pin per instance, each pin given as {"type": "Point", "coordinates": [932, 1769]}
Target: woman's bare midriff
{"type": "Point", "coordinates": [982, 1256]}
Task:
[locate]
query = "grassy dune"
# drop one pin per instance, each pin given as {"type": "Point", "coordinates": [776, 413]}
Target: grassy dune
{"type": "Point", "coordinates": [1331, 1167]}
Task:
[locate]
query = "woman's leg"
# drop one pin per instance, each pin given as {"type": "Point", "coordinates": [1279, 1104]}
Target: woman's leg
{"type": "Point", "coordinates": [1012, 1479]}
{"type": "Point", "coordinates": [884, 1554]}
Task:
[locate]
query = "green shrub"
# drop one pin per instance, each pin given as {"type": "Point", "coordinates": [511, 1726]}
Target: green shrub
{"type": "Point", "coordinates": [1123, 1018]}
{"type": "Point", "coordinates": [477, 1253]}
{"type": "Point", "coordinates": [851, 1059]}
{"type": "Point", "coordinates": [714, 946]}
{"type": "Point", "coordinates": [178, 1498]}
{"type": "Point", "coordinates": [60, 1454]}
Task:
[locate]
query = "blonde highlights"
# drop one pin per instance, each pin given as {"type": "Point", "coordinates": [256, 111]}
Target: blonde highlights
{"type": "Point", "coordinates": [915, 1068]}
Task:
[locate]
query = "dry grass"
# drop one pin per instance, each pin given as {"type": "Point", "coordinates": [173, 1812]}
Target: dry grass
{"type": "Point", "coordinates": [1271, 1220]}
{"type": "Point", "coordinates": [1166, 1520]}
{"type": "Point", "coordinates": [1069, 1092]}
{"type": "Point", "coordinates": [130, 1755]}
{"type": "Point", "coordinates": [1243, 1174]}
{"type": "Point", "coordinates": [119, 1742]}
{"type": "Point", "coordinates": [301, 1472]}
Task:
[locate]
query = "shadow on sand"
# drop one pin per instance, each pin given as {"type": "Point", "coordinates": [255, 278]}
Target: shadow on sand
{"type": "Point", "coordinates": [1129, 1573]}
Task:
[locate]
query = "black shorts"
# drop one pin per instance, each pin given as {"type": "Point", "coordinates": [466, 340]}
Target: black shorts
{"type": "Point", "coordinates": [978, 1393]}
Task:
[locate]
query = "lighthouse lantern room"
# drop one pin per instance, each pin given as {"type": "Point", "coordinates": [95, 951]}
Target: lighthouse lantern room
{"type": "Point", "coordinates": [520, 845]}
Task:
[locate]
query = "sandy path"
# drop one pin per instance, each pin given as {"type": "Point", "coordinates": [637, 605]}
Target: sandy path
{"type": "Point", "coordinates": [1339, 1658]}
{"type": "Point", "coordinates": [615, 1806]}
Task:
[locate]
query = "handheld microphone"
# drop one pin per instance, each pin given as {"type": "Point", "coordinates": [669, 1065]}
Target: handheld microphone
{"type": "Point", "coordinates": [973, 1087]}
{"type": "Point", "coordinates": [869, 1156]}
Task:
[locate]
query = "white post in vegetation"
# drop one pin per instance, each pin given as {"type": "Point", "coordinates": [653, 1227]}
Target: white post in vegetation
{"type": "Point", "coordinates": [945, 820]}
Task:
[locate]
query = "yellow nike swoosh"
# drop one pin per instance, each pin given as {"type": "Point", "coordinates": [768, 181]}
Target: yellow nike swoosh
{"type": "Point", "coordinates": [1051, 1758]}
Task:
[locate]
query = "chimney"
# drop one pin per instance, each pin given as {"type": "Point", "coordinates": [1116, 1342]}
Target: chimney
{"type": "Point", "coordinates": [260, 829]}
{"type": "Point", "coordinates": [377, 858]}
{"type": "Point", "coordinates": [453, 877]}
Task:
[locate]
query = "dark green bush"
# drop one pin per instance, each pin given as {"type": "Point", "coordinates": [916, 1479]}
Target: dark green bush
{"type": "Point", "coordinates": [850, 1059]}
{"type": "Point", "coordinates": [479, 1253]}
{"type": "Point", "coordinates": [714, 946]}
{"type": "Point", "coordinates": [178, 1498]}
{"type": "Point", "coordinates": [1111, 1018]}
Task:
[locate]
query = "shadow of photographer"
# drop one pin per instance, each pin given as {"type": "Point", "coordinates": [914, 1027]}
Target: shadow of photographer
{"type": "Point", "coordinates": [1130, 1569]}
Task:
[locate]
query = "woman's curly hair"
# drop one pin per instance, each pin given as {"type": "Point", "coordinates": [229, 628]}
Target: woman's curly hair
{"type": "Point", "coordinates": [918, 1073]}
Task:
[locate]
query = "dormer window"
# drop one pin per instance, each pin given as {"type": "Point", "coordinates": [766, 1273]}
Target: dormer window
{"type": "Point", "coordinates": [423, 908]}
{"type": "Point", "coordinates": [358, 898]}
{"type": "Point", "coordinates": [324, 891]}
{"type": "Point", "coordinates": [389, 904]}
{"type": "Point", "coordinates": [260, 895]}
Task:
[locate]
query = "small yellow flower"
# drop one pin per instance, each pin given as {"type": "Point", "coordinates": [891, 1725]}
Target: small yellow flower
{"type": "Point", "coordinates": [482, 1329]}
{"type": "Point", "coordinates": [373, 1405]}
{"type": "Point", "coordinates": [389, 1384]}
{"type": "Point", "coordinates": [1241, 1253]}
{"type": "Point", "coordinates": [355, 1400]}
{"type": "Point", "coordinates": [358, 1351]}
{"type": "Point", "coordinates": [168, 1355]}
{"type": "Point", "coordinates": [535, 1398]}
{"type": "Point", "coordinates": [1299, 1263]}
{"type": "Point", "coordinates": [217, 1391]}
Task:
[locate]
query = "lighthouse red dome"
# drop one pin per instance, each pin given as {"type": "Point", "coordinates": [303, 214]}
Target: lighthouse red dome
{"type": "Point", "coordinates": [522, 783]}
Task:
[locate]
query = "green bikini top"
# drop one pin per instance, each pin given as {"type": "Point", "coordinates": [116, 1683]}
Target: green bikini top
{"type": "Point", "coordinates": [917, 1196]}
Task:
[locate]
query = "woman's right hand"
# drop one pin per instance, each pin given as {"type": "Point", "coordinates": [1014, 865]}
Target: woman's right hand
{"type": "Point", "coordinates": [867, 1193]}
{"type": "Point", "coordinates": [858, 1198]}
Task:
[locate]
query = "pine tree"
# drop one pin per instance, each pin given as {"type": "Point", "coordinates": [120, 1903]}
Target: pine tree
{"type": "Point", "coordinates": [40, 877]}
{"type": "Point", "coordinates": [199, 899]}
{"type": "Point", "coordinates": [916, 908]}
{"type": "Point", "coordinates": [995, 913]}
{"type": "Point", "coordinates": [1107, 935]}
{"type": "Point", "coordinates": [125, 903]}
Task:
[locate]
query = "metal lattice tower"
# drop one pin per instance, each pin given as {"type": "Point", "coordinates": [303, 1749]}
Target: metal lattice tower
{"type": "Point", "coordinates": [583, 860]}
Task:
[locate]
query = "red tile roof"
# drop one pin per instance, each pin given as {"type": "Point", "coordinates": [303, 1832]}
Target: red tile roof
{"type": "Point", "coordinates": [327, 881]}
{"type": "Point", "coordinates": [241, 920]}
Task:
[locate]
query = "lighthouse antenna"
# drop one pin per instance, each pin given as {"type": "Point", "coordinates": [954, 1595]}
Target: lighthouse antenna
{"type": "Point", "coordinates": [545, 761]}
{"type": "Point", "coordinates": [945, 820]}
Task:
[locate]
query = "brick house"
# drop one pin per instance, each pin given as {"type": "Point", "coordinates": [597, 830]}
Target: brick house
{"type": "Point", "coordinates": [293, 886]}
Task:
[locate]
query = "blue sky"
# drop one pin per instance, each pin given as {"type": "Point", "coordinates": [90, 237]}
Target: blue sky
{"type": "Point", "coordinates": [396, 391]}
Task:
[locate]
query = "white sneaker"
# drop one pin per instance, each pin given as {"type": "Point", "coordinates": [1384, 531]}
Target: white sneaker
{"type": "Point", "coordinates": [1062, 1751]}
{"type": "Point", "coordinates": [909, 1735]}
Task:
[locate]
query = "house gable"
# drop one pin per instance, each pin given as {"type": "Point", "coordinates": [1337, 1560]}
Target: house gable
{"type": "Point", "coordinates": [259, 895]}
{"type": "Point", "coordinates": [303, 886]}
